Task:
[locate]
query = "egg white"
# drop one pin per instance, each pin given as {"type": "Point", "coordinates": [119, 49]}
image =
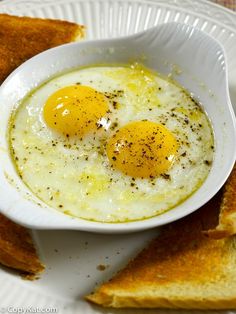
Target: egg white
{"type": "Point", "coordinates": [75, 177]}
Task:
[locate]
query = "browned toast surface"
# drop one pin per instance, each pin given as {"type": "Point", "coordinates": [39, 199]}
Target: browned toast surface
{"type": "Point", "coordinates": [23, 37]}
{"type": "Point", "coordinates": [227, 219]}
{"type": "Point", "coordinates": [181, 268]}
{"type": "Point", "coordinates": [17, 249]}
{"type": "Point", "coordinates": [177, 242]}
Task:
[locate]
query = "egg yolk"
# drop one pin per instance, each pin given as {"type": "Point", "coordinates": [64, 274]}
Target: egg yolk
{"type": "Point", "coordinates": [75, 110]}
{"type": "Point", "coordinates": [142, 149]}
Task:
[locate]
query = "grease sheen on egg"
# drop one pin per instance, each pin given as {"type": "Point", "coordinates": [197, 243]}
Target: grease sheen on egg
{"type": "Point", "coordinates": [115, 143]}
{"type": "Point", "coordinates": [75, 110]}
{"type": "Point", "coordinates": [142, 149]}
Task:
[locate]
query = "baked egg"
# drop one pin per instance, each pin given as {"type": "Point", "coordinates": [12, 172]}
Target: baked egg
{"type": "Point", "coordinates": [111, 143]}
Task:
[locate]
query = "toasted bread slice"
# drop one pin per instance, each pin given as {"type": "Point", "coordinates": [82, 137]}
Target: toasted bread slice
{"type": "Point", "coordinates": [20, 39]}
{"type": "Point", "coordinates": [227, 220]}
{"type": "Point", "coordinates": [182, 268]}
{"type": "Point", "coordinates": [23, 37]}
{"type": "Point", "coordinates": [17, 249]}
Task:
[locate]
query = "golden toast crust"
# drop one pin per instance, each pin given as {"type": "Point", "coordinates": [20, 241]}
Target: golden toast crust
{"type": "Point", "coordinates": [17, 249]}
{"type": "Point", "coordinates": [162, 302]}
{"type": "Point", "coordinates": [227, 219]}
{"type": "Point", "coordinates": [23, 37]}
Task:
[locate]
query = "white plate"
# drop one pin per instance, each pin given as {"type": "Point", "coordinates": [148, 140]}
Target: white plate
{"type": "Point", "coordinates": [72, 257]}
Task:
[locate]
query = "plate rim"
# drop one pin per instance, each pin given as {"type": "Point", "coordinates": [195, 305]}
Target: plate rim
{"type": "Point", "coordinates": [182, 5]}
